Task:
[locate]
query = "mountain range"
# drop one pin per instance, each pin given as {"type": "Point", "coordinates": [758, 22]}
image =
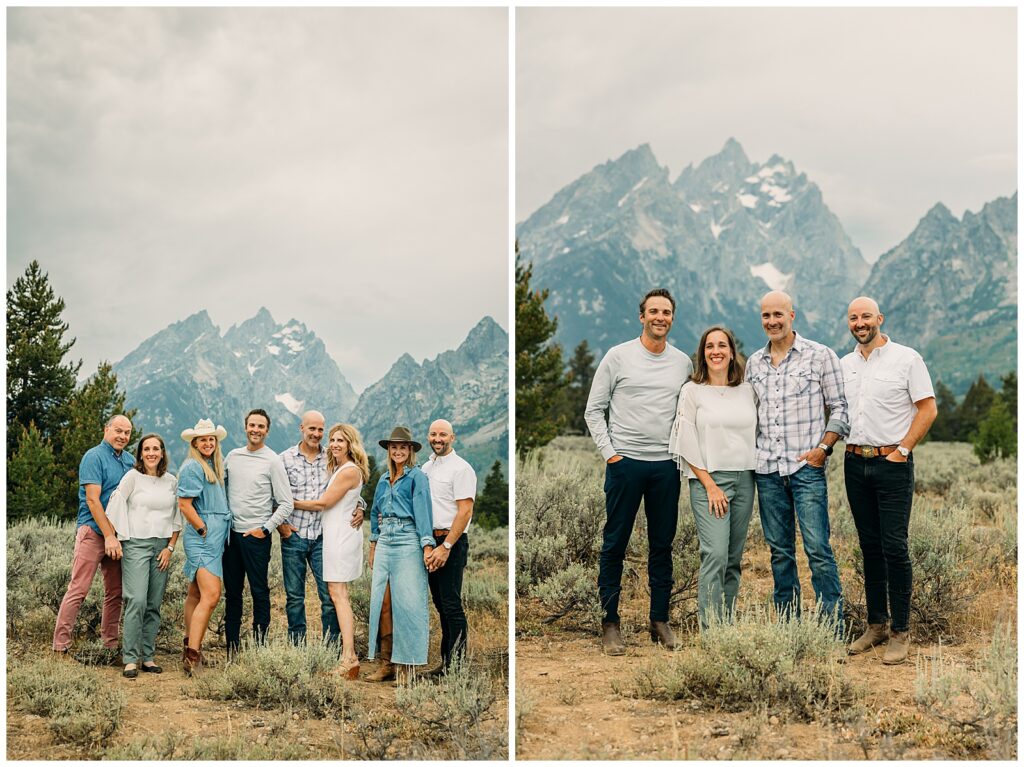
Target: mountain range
{"type": "Point", "coordinates": [190, 370]}
{"type": "Point", "coordinates": [727, 230]}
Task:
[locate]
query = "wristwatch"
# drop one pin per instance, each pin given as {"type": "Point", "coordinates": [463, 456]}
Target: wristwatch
{"type": "Point", "coordinates": [170, 547]}
{"type": "Point", "coordinates": [904, 451]}
{"type": "Point", "coordinates": [201, 531]}
{"type": "Point", "coordinates": [446, 545]}
{"type": "Point", "coordinates": [266, 532]}
{"type": "Point", "coordinates": [826, 448]}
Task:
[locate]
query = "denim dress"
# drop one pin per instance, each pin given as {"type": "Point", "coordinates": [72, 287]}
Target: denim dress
{"type": "Point", "coordinates": [405, 527]}
{"type": "Point", "coordinates": [211, 504]}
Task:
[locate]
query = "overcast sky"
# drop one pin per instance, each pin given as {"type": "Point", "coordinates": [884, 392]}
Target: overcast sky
{"type": "Point", "coordinates": [346, 167]}
{"type": "Point", "coordinates": [888, 110]}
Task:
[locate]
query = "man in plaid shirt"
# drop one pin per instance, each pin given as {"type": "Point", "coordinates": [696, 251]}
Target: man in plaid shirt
{"type": "Point", "coordinates": [795, 380]}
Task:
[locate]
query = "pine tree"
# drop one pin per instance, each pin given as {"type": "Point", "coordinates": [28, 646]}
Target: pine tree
{"type": "Point", "coordinates": [370, 486]}
{"type": "Point", "coordinates": [491, 507]}
{"type": "Point", "coordinates": [580, 377]}
{"type": "Point", "coordinates": [1009, 395]}
{"type": "Point", "coordinates": [90, 407]}
{"type": "Point", "coordinates": [946, 427]}
{"type": "Point", "coordinates": [996, 436]}
{"type": "Point", "coordinates": [973, 410]}
{"type": "Point", "coordinates": [539, 377]}
{"type": "Point", "coordinates": [39, 381]}
{"type": "Point", "coordinates": [33, 487]}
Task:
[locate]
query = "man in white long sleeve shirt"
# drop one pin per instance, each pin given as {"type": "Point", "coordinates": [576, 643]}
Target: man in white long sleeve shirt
{"type": "Point", "coordinates": [638, 383]}
{"type": "Point", "coordinates": [260, 498]}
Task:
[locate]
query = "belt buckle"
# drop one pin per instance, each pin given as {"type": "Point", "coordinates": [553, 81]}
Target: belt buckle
{"type": "Point", "coordinates": [869, 452]}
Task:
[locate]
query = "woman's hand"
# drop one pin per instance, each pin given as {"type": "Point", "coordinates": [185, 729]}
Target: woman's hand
{"type": "Point", "coordinates": [718, 504]}
{"type": "Point", "coordinates": [163, 559]}
{"type": "Point", "coordinates": [427, 551]}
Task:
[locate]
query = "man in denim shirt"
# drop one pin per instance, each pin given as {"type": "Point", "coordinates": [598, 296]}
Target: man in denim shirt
{"type": "Point", "coordinates": [795, 380]}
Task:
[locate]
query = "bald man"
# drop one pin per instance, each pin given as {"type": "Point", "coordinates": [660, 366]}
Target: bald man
{"type": "Point", "coordinates": [96, 544]}
{"type": "Point", "coordinates": [452, 490]}
{"type": "Point", "coordinates": [796, 380]}
{"type": "Point", "coordinates": [302, 534]}
{"type": "Point", "coordinates": [892, 406]}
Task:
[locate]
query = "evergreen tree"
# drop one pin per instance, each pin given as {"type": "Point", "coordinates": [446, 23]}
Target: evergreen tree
{"type": "Point", "coordinates": [491, 507]}
{"type": "Point", "coordinates": [539, 377]}
{"type": "Point", "coordinates": [39, 381]}
{"type": "Point", "coordinates": [946, 427]}
{"type": "Point", "coordinates": [973, 410]}
{"type": "Point", "coordinates": [1009, 395]}
{"type": "Point", "coordinates": [370, 486]}
{"type": "Point", "coordinates": [33, 487]}
{"type": "Point", "coordinates": [996, 436]}
{"type": "Point", "coordinates": [580, 377]}
{"type": "Point", "coordinates": [90, 407]}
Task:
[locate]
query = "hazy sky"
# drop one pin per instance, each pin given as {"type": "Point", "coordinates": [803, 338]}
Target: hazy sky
{"type": "Point", "coordinates": [346, 167]}
{"type": "Point", "coordinates": [888, 110]}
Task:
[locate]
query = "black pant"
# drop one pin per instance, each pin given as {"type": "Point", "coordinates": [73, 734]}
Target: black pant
{"type": "Point", "coordinates": [246, 556]}
{"type": "Point", "coordinates": [881, 493]}
{"type": "Point", "coordinates": [446, 591]}
{"type": "Point", "coordinates": [625, 482]}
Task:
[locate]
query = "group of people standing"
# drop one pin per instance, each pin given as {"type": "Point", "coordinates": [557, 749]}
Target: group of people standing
{"type": "Point", "coordinates": [133, 512]}
{"type": "Point", "coordinates": [767, 426]}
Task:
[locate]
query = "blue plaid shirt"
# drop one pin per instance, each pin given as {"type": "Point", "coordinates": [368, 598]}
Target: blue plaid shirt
{"type": "Point", "coordinates": [309, 481]}
{"type": "Point", "coordinates": [791, 402]}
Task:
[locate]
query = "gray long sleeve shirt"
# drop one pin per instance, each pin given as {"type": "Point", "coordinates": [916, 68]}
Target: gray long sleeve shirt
{"type": "Point", "coordinates": [255, 481]}
{"type": "Point", "coordinates": [640, 390]}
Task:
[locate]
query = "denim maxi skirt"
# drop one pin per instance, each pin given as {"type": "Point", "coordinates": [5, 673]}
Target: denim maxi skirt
{"type": "Point", "coordinates": [398, 558]}
{"type": "Point", "coordinates": [208, 552]}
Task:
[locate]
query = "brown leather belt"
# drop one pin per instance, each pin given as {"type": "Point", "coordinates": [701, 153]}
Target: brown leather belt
{"type": "Point", "coordinates": [866, 451]}
{"type": "Point", "coordinates": [439, 533]}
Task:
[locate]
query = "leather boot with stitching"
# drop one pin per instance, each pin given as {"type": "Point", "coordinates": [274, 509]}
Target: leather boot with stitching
{"type": "Point", "coordinates": [899, 646]}
{"type": "Point", "coordinates": [611, 639]}
{"type": "Point", "coordinates": [661, 633]}
{"type": "Point", "coordinates": [875, 634]}
{"type": "Point", "coordinates": [192, 664]}
{"type": "Point", "coordinates": [386, 671]}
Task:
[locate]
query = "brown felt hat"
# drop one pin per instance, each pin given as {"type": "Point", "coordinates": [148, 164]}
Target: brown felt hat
{"type": "Point", "coordinates": [401, 434]}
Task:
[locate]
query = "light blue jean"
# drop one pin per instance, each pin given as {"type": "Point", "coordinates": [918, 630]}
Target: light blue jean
{"type": "Point", "coordinates": [398, 560]}
{"type": "Point", "coordinates": [805, 495]}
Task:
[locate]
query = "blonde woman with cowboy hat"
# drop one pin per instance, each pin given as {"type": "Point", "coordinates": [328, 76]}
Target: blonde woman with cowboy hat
{"type": "Point", "coordinates": [401, 538]}
{"type": "Point", "coordinates": [204, 505]}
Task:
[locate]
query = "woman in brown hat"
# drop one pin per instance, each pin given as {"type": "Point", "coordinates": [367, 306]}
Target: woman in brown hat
{"type": "Point", "coordinates": [401, 537]}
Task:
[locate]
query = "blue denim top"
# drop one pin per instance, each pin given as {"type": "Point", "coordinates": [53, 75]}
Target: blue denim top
{"type": "Point", "coordinates": [207, 499]}
{"type": "Point", "coordinates": [100, 466]}
{"type": "Point", "coordinates": [408, 498]}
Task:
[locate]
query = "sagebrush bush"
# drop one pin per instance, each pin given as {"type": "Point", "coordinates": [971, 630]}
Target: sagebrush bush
{"type": "Point", "coordinates": [755, 662]}
{"type": "Point", "coordinates": [78, 705]}
{"type": "Point", "coordinates": [982, 703]}
{"type": "Point", "coordinates": [282, 676]}
{"type": "Point", "coordinates": [177, 746]}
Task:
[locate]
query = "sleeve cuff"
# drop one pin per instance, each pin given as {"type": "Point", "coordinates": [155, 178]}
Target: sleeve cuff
{"type": "Point", "coordinates": [842, 428]}
{"type": "Point", "coordinates": [374, 537]}
{"type": "Point", "coordinates": [607, 452]}
{"type": "Point", "coordinates": [424, 542]}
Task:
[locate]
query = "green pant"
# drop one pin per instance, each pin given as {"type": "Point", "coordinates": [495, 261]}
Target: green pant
{"type": "Point", "coordinates": [142, 584]}
{"type": "Point", "coordinates": [721, 541]}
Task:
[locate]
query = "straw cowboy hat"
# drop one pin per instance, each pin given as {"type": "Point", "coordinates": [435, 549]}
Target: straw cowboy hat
{"type": "Point", "coordinates": [401, 434]}
{"type": "Point", "coordinates": [204, 428]}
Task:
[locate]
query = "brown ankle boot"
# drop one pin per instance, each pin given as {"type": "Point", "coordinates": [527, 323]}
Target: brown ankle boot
{"type": "Point", "coordinates": [876, 634]}
{"type": "Point", "coordinates": [386, 671]}
{"type": "Point", "coordinates": [184, 649]}
{"type": "Point", "coordinates": [192, 664]}
{"type": "Point", "coordinates": [661, 633]}
{"type": "Point", "coordinates": [899, 646]}
{"type": "Point", "coordinates": [611, 639]}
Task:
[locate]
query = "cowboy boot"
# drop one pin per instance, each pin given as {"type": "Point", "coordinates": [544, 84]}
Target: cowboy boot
{"type": "Point", "coordinates": [661, 633]}
{"type": "Point", "coordinates": [899, 646]}
{"type": "Point", "coordinates": [611, 639]}
{"type": "Point", "coordinates": [192, 664]}
{"type": "Point", "coordinates": [876, 634]}
{"type": "Point", "coordinates": [386, 671]}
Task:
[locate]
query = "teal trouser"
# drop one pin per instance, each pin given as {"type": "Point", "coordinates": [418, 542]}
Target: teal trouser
{"type": "Point", "coordinates": [142, 584]}
{"type": "Point", "coordinates": [721, 541]}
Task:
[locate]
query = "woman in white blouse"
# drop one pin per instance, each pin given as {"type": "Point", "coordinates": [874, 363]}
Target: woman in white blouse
{"type": "Point", "coordinates": [713, 443]}
{"type": "Point", "coordinates": [144, 512]}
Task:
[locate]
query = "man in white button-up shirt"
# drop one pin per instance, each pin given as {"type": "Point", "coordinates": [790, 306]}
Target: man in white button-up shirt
{"type": "Point", "coordinates": [452, 491]}
{"type": "Point", "coordinates": [892, 406]}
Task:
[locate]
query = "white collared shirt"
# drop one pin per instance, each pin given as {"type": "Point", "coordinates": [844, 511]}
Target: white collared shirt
{"type": "Point", "coordinates": [881, 391]}
{"type": "Point", "coordinates": [451, 479]}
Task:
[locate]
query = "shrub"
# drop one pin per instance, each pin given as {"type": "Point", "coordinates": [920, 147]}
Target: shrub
{"type": "Point", "coordinates": [175, 745]}
{"type": "Point", "coordinates": [983, 703]}
{"type": "Point", "coordinates": [755, 663]}
{"type": "Point", "coordinates": [80, 708]}
{"type": "Point", "coordinates": [279, 675]}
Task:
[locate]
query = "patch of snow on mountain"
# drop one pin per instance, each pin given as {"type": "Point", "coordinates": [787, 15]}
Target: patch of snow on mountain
{"type": "Point", "coordinates": [771, 170]}
{"type": "Point", "coordinates": [715, 230]}
{"type": "Point", "coordinates": [252, 369]}
{"type": "Point", "coordinates": [580, 233]}
{"type": "Point", "coordinates": [747, 200]}
{"type": "Point", "coordinates": [566, 250]}
{"type": "Point", "coordinates": [597, 305]}
{"type": "Point", "coordinates": [273, 349]}
{"type": "Point", "coordinates": [291, 343]}
{"type": "Point", "coordinates": [770, 276]}
{"type": "Point", "coordinates": [291, 404]}
{"type": "Point", "coordinates": [778, 194]}
{"type": "Point", "coordinates": [696, 207]}
{"type": "Point", "coordinates": [751, 179]}
{"type": "Point", "coordinates": [563, 220]}
{"type": "Point", "coordinates": [636, 186]}
{"type": "Point", "coordinates": [145, 361]}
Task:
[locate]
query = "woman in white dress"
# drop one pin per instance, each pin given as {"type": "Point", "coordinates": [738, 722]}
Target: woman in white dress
{"type": "Point", "coordinates": [713, 443]}
{"type": "Point", "coordinates": [343, 544]}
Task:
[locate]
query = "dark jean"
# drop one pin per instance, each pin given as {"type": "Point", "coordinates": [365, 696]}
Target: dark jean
{"type": "Point", "coordinates": [246, 556]}
{"type": "Point", "coordinates": [626, 482]}
{"type": "Point", "coordinates": [446, 592]}
{"type": "Point", "coordinates": [804, 494]}
{"type": "Point", "coordinates": [881, 493]}
{"type": "Point", "coordinates": [296, 554]}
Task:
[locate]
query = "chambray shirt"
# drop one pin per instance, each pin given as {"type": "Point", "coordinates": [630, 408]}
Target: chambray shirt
{"type": "Point", "coordinates": [100, 466]}
{"type": "Point", "coordinates": [308, 480]}
{"type": "Point", "coordinates": [408, 498]}
{"type": "Point", "coordinates": [791, 402]}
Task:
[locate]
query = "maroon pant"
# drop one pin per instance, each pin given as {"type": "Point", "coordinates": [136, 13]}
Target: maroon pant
{"type": "Point", "coordinates": [89, 555]}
